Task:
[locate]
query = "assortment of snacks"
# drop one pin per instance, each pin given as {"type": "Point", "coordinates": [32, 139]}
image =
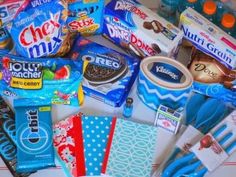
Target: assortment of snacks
{"type": "Point", "coordinates": [35, 33]}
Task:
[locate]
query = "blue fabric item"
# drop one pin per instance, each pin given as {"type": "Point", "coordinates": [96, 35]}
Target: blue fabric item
{"type": "Point", "coordinates": [96, 132]}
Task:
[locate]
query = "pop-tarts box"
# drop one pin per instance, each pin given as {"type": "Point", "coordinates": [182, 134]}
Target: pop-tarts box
{"type": "Point", "coordinates": [86, 16]}
{"type": "Point", "coordinates": [139, 30]}
{"type": "Point", "coordinates": [208, 38]}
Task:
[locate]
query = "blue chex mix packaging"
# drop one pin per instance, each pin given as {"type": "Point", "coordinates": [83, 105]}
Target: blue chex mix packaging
{"type": "Point", "coordinates": [86, 16]}
{"type": "Point", "coordinates": [33, 135]}
{"type": "Point", "coordinates": [109, 74]}
{"type": "Point", "coordinates": [40, 30]}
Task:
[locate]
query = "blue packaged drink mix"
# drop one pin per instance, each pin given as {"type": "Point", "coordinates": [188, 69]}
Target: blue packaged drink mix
{"type": "Point", "coordinates": [109, 75]}
{"type": "Point", "coordinates": [57, 80]}
{"type": "Point", "coordinates": [40, 29]}
{"type": "Point", "coordinates": [86, 16]}
{"type": "Point", "coordinates": [33, 135]}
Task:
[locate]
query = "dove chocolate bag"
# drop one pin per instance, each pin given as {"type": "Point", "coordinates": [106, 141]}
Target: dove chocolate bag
{"type": "Point", "coordinates": [212, 78]}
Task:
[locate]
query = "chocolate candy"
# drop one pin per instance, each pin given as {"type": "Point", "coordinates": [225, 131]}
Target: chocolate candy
{"type": "Point", "coordinates": [129, 47]}
{"type": "Point", "coordinates": [153, 25]}
{"type": "Point", "coordinates": [206, 69]}
{"type": "Point", "coordinates": [156, 48]}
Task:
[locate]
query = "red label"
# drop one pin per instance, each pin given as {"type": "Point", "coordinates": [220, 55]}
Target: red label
{"type": "Point", "coordinates": [76, 25]}
{"type": "Point", "coordinates": [32, 34]}
{"type": "Point", "coordinates": [142, 45]}
{"type": "Point", "coordinates": [229, 43]}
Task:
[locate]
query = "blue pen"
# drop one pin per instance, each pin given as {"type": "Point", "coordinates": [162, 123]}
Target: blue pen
{"type": "Point", "coordinates": [185, 160]}
{"type": "Point", "coordinates": [202, 172]}
{"type": "Point", "coordinates": [192, 167]}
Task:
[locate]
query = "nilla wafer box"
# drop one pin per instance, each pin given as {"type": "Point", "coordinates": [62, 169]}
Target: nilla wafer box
{"type": "Point", "coordinates": [139, 30]}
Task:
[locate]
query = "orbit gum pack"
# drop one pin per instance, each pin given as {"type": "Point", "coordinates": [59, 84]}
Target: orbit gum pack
{"type": "Point", "coordinates": [57, 80]}
{"type": "Point", "coordinates": [140, 31]}
{"type": "Point", "coordinates": [40, 30]}
{"type": "Point", "coordinates": [33, 135]}
{"type": "Point", "coordinates": [85, 16]}
{"type": "Point", "coordinates": [8, 139]}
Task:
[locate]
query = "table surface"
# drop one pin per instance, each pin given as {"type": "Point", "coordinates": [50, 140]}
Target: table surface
{"type": "Point", "coordinates": [141, 113]}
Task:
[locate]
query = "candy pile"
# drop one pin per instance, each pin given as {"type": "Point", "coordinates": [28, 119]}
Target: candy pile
{"type": "Point", "coordinates": [47, 59]}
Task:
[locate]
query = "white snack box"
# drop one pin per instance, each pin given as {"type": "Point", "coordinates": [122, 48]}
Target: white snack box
{"type": "Point", "coordinates": [124, 24]}
{"type": "Point", "coordinates": [208, 38]}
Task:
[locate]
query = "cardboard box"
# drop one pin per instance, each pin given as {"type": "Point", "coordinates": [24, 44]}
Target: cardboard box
{"type": "Point", "coordinates": [208, 38]}
{"type": "Point", "coordinates": [139, 30]}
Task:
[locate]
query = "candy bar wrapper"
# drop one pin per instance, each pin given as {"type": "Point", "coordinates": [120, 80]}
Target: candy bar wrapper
{"type": "Point", "coordinates": [212, 78]}
{"type": "Point", "coordinates": [68, 143]}
{"type": "Point", "coordinates": [56, 79]}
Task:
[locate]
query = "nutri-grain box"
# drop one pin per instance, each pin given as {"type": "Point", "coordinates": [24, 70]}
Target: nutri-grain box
{"type": "Point", "coordinates": [139, 30]}
{"type": "Point", "coordinates": [208, 38]}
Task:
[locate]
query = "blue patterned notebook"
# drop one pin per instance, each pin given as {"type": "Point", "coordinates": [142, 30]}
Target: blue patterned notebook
{"type": "Point", "coordinates": [132, 150]}
{"type": "Point", "coordinates": [96, 132]}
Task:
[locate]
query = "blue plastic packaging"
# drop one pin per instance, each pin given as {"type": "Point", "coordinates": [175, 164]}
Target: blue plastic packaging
{"type": "Point", "coordinates": [184, 4]}
{"type": "Point", "coordinates": [86, 16]}
{"type": "Point", "coordinates": [56, 80]}
{"type": "Point", "coordinates": [40, 29]}
{"type": "Point", "coordinates": [109, 75]}
{"type": "Point", "coordinates": [33, 135]}
{"type": "Point", "coordinates": [167, 9]}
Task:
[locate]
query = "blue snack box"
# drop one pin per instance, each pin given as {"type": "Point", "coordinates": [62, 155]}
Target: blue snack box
{"type": "Point", "coordinates": [86, 16]}
{"type": "Point", "coordinates": [33, 135]}
{"type": "Point", "coordinates": [109, 75]}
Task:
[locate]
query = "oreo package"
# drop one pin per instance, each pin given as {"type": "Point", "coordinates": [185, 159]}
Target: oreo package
{"type": "Point", "coordinates": [109, 74]}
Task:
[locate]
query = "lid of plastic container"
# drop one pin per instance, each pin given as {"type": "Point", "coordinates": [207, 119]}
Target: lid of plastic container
{"type": "Point", "coordinates": [192, 1]}
{"type": "Point", "coordinates": [228, 20]}
{"type": "Point", "coordinates": [224, 0]}
{"type": "Point", "coordinates": [209, 7]}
